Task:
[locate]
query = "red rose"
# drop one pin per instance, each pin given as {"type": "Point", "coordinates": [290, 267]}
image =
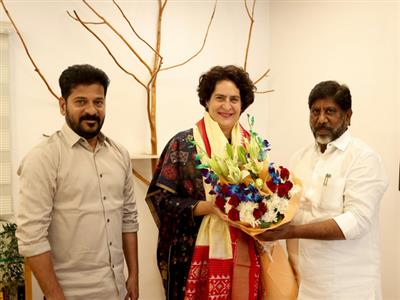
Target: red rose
{"type": "Point", "coordinates": [234, 201]}
{"type": "Point", "coordinates": [233, 214]}
{"type": "Point", "coordinates": [257, 213]}
{"type": "Point", "coordinates": [284, 173]}
{"type": "Point", "coordinates": [220, 202]}
{"type": "Point", "coordinates": [289, 185]}
{"type": "Point", "coordinates": [224, 189]}
{"type": "Point", "coordinates": [272, 186]}
{"type": "Point", "coordinates": [262, 207]}
{"type": "Point", "coordinates": [284, 188]}
{"type": "Point", "coordinates": [281, 190]}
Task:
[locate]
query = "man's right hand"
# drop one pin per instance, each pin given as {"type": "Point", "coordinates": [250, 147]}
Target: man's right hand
{"type": "Point", "coordinates": [42, 268]}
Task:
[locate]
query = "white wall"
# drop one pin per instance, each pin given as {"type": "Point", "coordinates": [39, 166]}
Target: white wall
{"type": "Point", "coordinates": [56, 41]}
{"type": "Point", "coordinates": [357, 43]}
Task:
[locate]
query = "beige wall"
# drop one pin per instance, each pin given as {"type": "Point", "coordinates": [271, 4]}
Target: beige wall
{"type": "Point", "coordinates": [304, 42]}
{"type": "Point", "coordinates": [357, 43]}
{"type": "Point", "coordinates": [56, 42]}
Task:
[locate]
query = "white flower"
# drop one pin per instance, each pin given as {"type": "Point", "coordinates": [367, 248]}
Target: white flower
{"type": "Point", "coordinates": [270, 214]}
{"type": "Point", "coordinates": [281, 204]}
{"type": "Point", "coordinates": [275, 205]}
{"type": "Point", "coordinates": [246, 212]}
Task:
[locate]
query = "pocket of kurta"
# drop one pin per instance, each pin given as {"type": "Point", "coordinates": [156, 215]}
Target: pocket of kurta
{"type": "Point", "coordinates": [332, 194]}
{"type": "Point", "coordinates": [311, 193]}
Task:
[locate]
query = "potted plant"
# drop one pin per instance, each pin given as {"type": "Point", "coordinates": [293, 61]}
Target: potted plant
{"type": "Point", "coordinates": [11, 264]}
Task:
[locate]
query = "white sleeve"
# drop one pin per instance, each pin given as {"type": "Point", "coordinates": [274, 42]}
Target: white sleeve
{"type": "Point", "coordinates": [365, 185]}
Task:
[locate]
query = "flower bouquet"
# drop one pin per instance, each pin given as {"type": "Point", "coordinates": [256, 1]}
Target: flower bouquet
{"type": "Point", "coordinates": [254, 194]}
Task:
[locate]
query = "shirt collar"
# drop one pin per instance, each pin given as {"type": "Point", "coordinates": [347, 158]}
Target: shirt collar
{"type": "Point", "coordinates": [340, 143]}
{"type": "Point", "coordinates": [72, 137]}
{"type": "Point", "coordinates": [343, 141]}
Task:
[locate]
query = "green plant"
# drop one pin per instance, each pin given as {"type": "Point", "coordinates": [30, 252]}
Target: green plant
{"type": "Point", "coordinates": [11, 262]}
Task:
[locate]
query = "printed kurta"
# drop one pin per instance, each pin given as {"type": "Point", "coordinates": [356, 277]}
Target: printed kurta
{"type": "Point", "coordinates": [176, 188]}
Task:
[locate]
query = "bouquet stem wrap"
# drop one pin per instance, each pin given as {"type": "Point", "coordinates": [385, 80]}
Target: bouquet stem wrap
{"type": "Point", "coordinates": [278, 277]}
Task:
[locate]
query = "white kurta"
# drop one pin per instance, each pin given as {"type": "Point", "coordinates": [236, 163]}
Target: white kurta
{"type": "Point", "coordinates": [345, 183]}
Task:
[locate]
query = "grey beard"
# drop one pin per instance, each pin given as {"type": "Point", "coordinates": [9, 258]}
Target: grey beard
{"type": "Point", "coordinates": [323, 140]}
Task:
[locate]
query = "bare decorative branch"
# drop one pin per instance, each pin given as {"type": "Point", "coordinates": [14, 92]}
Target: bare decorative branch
{"type": "Point", "coordinates": [155, 72]}
{"type": "Point", "coordinates": [251, 17]}
{"type": "Point", "coordinates": [86, 22]}
{"type": "Point", "coordinates": [119, 35]}
{"type": "Point", "coordinates": [140, 177]}
{"type": "Point", "coordinates": [27, 51]}
{"type": "Point", "coordinates": [264, 92]}
{"type": "Point", "coordinates": [150, 82]}
{"type": "Point", "coordinates": [163, 4]}
{"type": "Point", "coordinates": [108, 50]}
{"type": "Point", "coordinates": [247, 9]}
{"type": "Point", "coordinates": [202, 46]}
{"type": "Point", "coordinates": [152, 94]}
{"type": "Point", "coordinates": [133, 30]}
{"type": "Point", "coordinates": [265, 75]}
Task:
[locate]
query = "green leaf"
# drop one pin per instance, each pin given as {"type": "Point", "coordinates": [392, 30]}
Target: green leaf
{"type": "Point", "coordinates": [222, 165]}
{"type": "Point", "coordinates": [265, 224]}
{"type": "Point", "coordinates": [215, 167]}
{"type": "Point", "coordinates": [202, 166]}
{"type": "Point", "coordinates": [280, 217]}
{"type": "Point", "coordinates": [241, 151]}
{"type": "Point", "coordinates": [229, 150]}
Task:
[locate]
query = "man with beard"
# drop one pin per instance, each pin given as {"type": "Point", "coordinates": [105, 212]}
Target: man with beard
{"type": "Point", "coordinates": [77, 216]}
{"type": "Point", "coordinates": [333, 241]}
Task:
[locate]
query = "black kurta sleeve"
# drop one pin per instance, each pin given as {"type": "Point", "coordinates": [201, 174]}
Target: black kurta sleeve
{"type": "Point", "coordinates": [175, 190]}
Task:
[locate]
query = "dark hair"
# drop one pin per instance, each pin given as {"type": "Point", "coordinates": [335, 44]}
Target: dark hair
{"type": "Point", "coordinates": [235, 74]}
{"type": "Point", "coordinates": [333, 90]}
{"type": "Point", "coordinates": [81, 74]}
